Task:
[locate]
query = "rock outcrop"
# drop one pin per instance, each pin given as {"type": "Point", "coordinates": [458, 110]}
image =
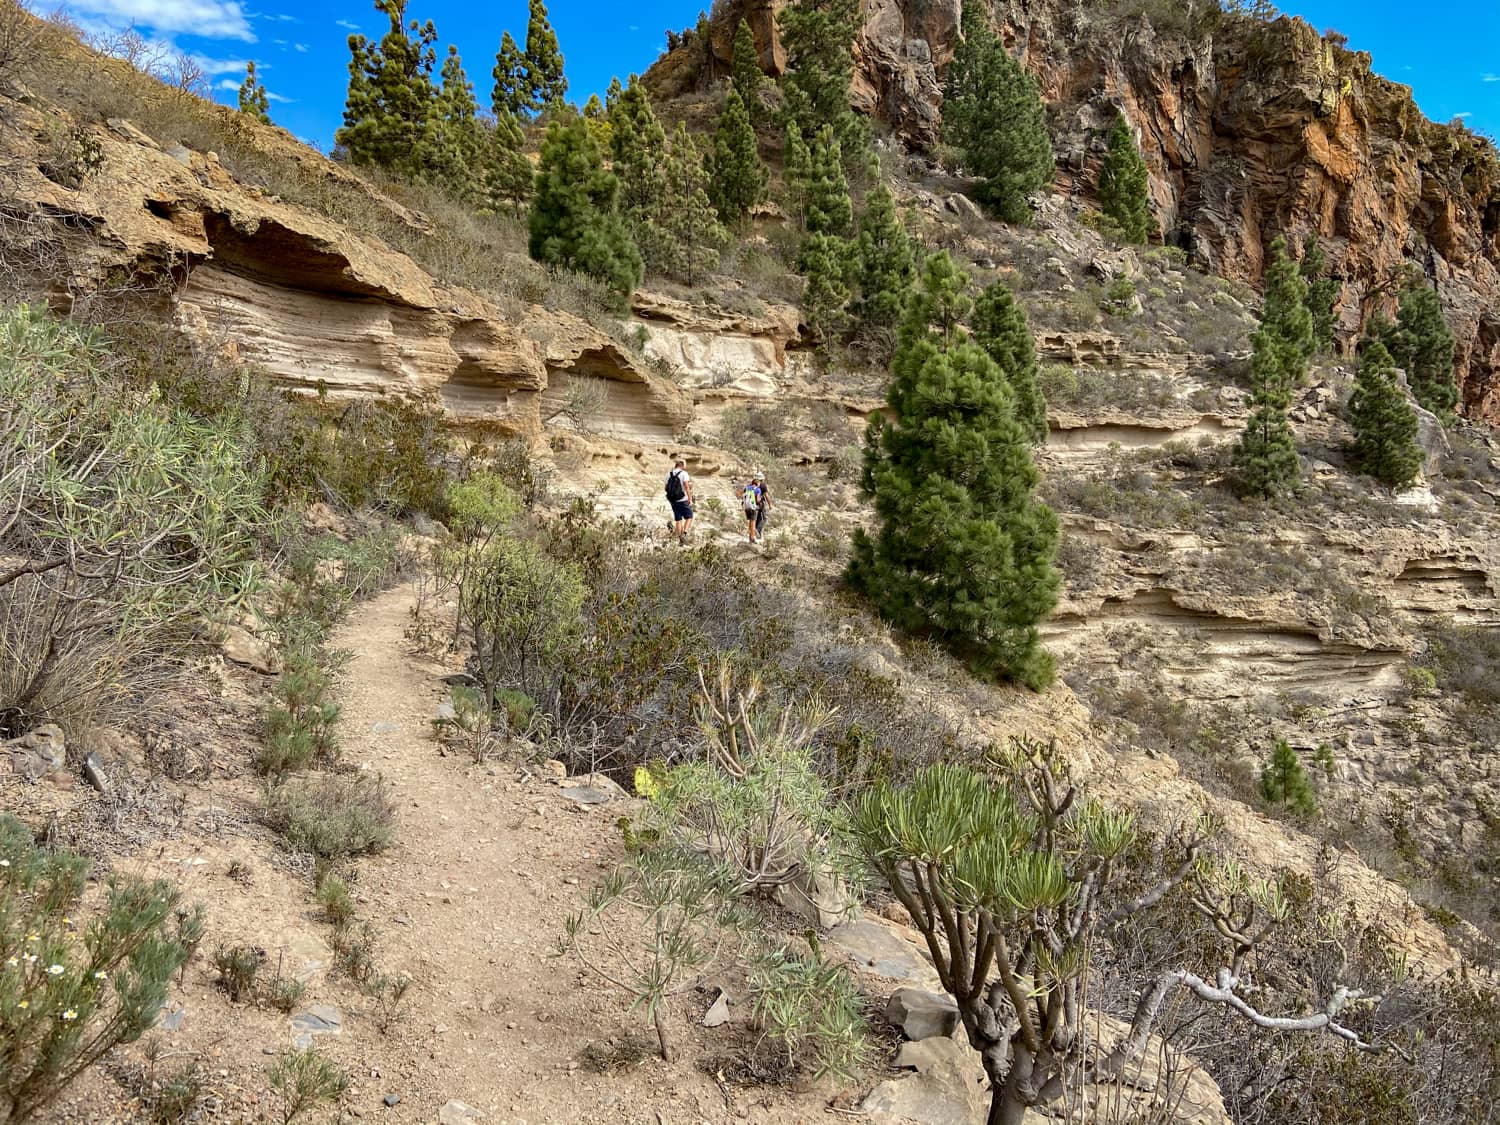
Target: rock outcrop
{"type": "Point", "coordinates": [317, 305]}
{"type": "Point", "coordinates": [1250, 130]}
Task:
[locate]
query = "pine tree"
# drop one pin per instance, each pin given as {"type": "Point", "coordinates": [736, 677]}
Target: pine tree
{"type": "Point", "coordinates": [389, 109]}
{"type": "Point", "coordinates": [1001, 329]}
{"type": "Point", "coordinates": [1266, 457]}
{"type": "Point", "coordinates": [638, 145]}
{"type": "Point", "coordinates": [1322, 295]}
{"type": "Point", "coordinates": [796, 172]}
{"type": "Point", "coordinates": [1421, 344]}
{"type": "Point", "coordinates": [885, 266]}
{"type": "Point", "coordinates": [456, 139]}
{"type": "Point", "coordinates": [1283, 781]}
{"type": "Point", "coordinates": [993, 114]}
{"type": "Point", "coordinates": [613, 94]}
{"type": "Point", "coordinates": [739, 177]}
{"type": "Point", "coordinates": [748, 76]}
{"type": "Point", "coordinates": [510, 97]}
{"type": "Point", "coordinates": [963, 550]}
{"type": "Point", "coordinates": [546, 85]}
{"type": "Point", "coordinates": [823, 260]}
{"type": "Point", "coordinates": [254, 101]}
{"type": "Point", "coordinates": [507, 173]}
{"type": "Point", "coordinates": [574, 223]}
{"type": "Point", "coordinates": [829, 209]}
{"type": "Point", "coordinates": [819, 39]}
{"type": "Point", "coordinates": [1123, 185]}
{"type": "Point", "coordinates": [1385, 425]}
{"type": "Point", "coordinates": [694, 233]}
{"type": "Point", "coordinates": [600, 123]}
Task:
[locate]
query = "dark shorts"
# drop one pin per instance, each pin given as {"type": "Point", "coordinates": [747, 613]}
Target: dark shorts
{"type": "Point", "coordinates": [749, 514]}
{"type": "Point", "coordinates": [681, 510]}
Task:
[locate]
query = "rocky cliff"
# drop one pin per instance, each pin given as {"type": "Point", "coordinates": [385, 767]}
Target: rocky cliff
{"type": "Point", "coordinates": [1250, 129]}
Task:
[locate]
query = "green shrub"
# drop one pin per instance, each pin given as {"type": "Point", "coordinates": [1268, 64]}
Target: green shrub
{"type": "Point", "coordinates": [238, 967]}
{"type": "Point", "coordinates": [333, 817]}
{"type": "Point", "coordinates": [130, 519]}
{"type": "Point", "coordinates": [300, 719]}
{"type": "Point", "coordinates": [337, 903]}
{"type": "Point", "coordinates": [178, 1096]}
{"type": "Point", "coordinates": [72, 988]}
{"type": "Point", "coordinates": [284, 993]}
{"type": "Point", "coordinates": [305, 1080]}
{"type": "Point", "coordinates": [1284, 781]}
{"type": "Point", "coordinates": [814, 1010]}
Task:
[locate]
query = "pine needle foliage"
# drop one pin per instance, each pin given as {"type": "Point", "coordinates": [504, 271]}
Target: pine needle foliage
{"type": "Point", "coordinates": [796, 173]}
{"type": "Point", "coordinates": [1123, 185]}
{"type": "Point", "coordinates": [390, 102]}
{"type": "Point", "coordinates": [510, 96]}
{"type": "Point", "coordinates": [1265, 461]}
{"type": "Point", "coordinates": [824, 261]}
{"type": "Point", "coordinates": [1421, 344]}
{"type": "Point", "coordinates": [694, 235]}
{"type": "Point", "coordinates": [829, 209]}
{"type": "Point", "coordinates": [546, 85]}
{"type": "Point", "coordinates": [254, 101]}
{"type": "Point", "coordinates": [507, 173]}
{"type": "Point", "coordinates": [1002, 330]}
{"type": "Point", "coordinates": [1322, 295]}
{"type": "Point", "coordinates": [1385, 425]}
{"type": "Point", "coordinates": [819, 39]}
{"type": "Point", "coordinates": [574, 221]}
{"type": "Point", "coordinates": [993, 115]}
{"type": "Point", "coordinates": [885, 265]}
{"type": "Point", "coordinates": [739, 177]}
{"type": "Point", "coordinates": [1284, 781]}
{"type": "Point", "coordinates": [638, 145]}
{"type": "Point", "coordinates": [963, 549]}
{"type": "Point", "coordinates": [748, 75]}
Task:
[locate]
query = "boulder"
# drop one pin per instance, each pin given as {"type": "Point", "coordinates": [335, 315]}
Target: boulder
{"type": "Point", "coordinates": [38, 752]}
{"type": "Point", "coordinates": [887, 950]}
{"type": "Point", "coordinates": [242, 647]}
{"type": "Point", "coordinates": [948, 1088]}
{"type": "Point", "coordinates": [922, 1015]}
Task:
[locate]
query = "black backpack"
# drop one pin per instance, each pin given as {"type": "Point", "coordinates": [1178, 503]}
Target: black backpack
{"type": "Point", "coordinates": [675, 491]}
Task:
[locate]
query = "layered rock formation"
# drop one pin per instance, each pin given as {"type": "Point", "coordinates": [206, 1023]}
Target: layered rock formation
{"type": "Point", "coordinates": [317, 305]}
{"type": "Point", "coordinates": [1250, 130]}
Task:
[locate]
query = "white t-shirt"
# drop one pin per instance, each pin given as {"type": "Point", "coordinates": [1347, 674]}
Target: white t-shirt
{"type": "Point", "coordinates": [682, 475]}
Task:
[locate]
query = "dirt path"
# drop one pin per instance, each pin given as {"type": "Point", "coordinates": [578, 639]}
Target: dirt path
{"type": "Point", "coordinates": [470, 903]}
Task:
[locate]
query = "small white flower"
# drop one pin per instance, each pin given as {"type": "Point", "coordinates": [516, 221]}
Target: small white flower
{"type": "Point", "coordinates": [70, 1014]}
{"type": "Point", "coordinates": [11, 962]}
{"type": "Point", "coordinates": [54, 970]}
{"type": "Point", "coordinates": [100, 975]}
{"type": "Point", "coordinates": [4, 863]}
{"type": "Point", "coordinates": [30, 958]}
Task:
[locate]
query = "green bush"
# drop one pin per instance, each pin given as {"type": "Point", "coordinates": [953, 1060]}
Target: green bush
{"type": "Point", "coordinates": [337, 903]}
{"type": "Point", "coordinates": [130, 519]}
{"type": "Point", "coordinates": [300, 718]}
{"type": "Point", "coordinates": [305, 1080]}
{"type": "Point", "coordinates": [74, 988]}
{"type": "Point", "coordinates": [814, 1010]}
{"type": "Point", "coordinates": [333, 817]}
{"type": "Point", "coordinates": [1284, 781]}
{"type": "Point", "coordinates": [238, 967]}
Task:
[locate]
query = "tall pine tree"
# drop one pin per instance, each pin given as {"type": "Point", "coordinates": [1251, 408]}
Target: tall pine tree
{"type": "Point", "coordinates": [456, 139]}
{"type": "Point", "coordinates": [574, 223]}
{"type": "Point", "coordinates": [254, 101]}
{"type": "Point", "coordinates": [748, 75]}
{"type": "Point", "coordinates": [823, 260]}
{"type": "Point", "coordinates": [993, 115]}
{"type": "Point", "coordinates": [639, 147]}
{"type": "Point", "coordinates": [828, 207]}
{"type": "Point", "coordinates": [1123, 185]}
{"type": "Point", "coordinates": [389, 109]}
{"type": "Point", "coordinates": [511, 97]}
{"type": "Point", "coordinates": [885, 266]}
{"type": "Point", "coordinates": [507, 173]}
{"type": "Point", "coordinates": [796, 172]}
{"type": "Point", "coordinates": [694, 233]}
{"type": "Point", "coordinates": [1422, 345]}
{"type": "Point", "coordinates": [1322, 295]}
{"type": "Point", "coordinates": [819, 39]}
{"type": "Point", "coordinates": [1001, 329]}
{"type": "Point", "coordinates": [963, 549]}
{"type": "Point", "coordinates": [739, 177]}
{"type": "Point", "coordinates": [1385, 425]}
{"type": "Point", "coordinates": [1266, 460]}
{"type": "Point", "coordinates": [543, 65]}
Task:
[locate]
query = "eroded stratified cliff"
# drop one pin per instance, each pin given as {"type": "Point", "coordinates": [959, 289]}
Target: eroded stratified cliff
{"type": "Point", "coordinates": [314, 303]}
{"type": "Point", "coordinates": [1250, 130]}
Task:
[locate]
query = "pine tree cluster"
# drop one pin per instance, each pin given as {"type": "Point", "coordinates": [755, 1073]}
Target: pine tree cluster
{"type": "Point", "coordinates": [819, 38]}
{"type": "Point", "coordinates": [963, 549]}
{"type": "Point", "coordinates": [1322, 295]}
{"type": "Point", "coordinates": [1385, 425]}
{"type": "Point", "coordinates": [994, 117]}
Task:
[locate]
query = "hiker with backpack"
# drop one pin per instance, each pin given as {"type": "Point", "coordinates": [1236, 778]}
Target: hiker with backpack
{"type": "Point", "coordinates": [750, 503]}
{"type": "Point", "coordinates": [680, 497]}
{"type": "Point", "coordinates": [764, 508]}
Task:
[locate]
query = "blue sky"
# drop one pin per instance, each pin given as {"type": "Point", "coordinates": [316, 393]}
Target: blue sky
{"type": "Point", "coordinates": [1452, 60]}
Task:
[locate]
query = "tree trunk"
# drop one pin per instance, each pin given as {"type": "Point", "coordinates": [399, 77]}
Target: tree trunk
{"type": "Point", "coordinates": [1007, 1103]}
{"type": "Point", "coordinates": [659, 1017]}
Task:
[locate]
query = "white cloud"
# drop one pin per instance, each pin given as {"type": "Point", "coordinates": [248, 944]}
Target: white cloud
{"type": "Point", "coordinates": [279, 42]}
{"type": "Point", "coordinates": [274, 17]}
{"type": "Point", "coordinates": [231, 86]}
{"type": "Point", "coordinates": [209, 19]}
{"type": "Point", "coordinates": [1463, 115]}
{"type": "Point", "coordinates": [300, 48]}
{"type": "Point", "coordinates": [346, 25]}
{"type": "Point", "coordinates": [1490, 78]}
{"type": "Point", "coordinates": [214, 67]}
